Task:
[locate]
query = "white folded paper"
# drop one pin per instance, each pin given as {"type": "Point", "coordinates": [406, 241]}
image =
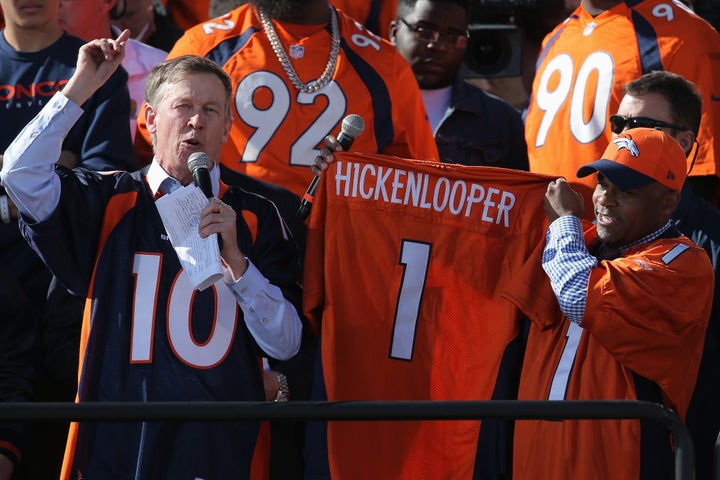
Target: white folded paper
{"type": "Point", "coordinates": [199, 257]}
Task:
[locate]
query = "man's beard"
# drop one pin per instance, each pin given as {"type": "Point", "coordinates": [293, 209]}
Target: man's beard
{"type": "Point", "coordinates": [280, 9]}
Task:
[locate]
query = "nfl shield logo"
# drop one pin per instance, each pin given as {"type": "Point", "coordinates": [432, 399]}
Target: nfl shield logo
{"type": "Point", "coordinates": [297, 51]}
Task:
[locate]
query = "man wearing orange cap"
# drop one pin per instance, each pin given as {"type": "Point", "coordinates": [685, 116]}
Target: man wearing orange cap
{"type": "Point", "coordinates": [631, 302]}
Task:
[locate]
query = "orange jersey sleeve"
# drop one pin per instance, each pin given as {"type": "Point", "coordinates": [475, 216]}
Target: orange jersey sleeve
{"type": "Point", "coordinates": [645, 316]}
{"type": "Point", "coordinates": [375, 14]}
{"type": "Point", "coordinates": [405, 261]}
{"type": "Point", "coordinates": [582, 70]}
{"type": "Point", "coordinates": [276, 129]}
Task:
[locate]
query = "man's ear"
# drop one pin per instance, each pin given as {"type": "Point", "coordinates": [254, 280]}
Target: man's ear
{"type": "Point", "coordinates": [392, 32]}
{"type": "Point", "coordinates": [686, 138]}
{"type": "Point", "coordinates": [150, 116]}
{"type": "Point", "coordinates": [226, 132]}
{"type": "Point", "coordinates": [670, 201]}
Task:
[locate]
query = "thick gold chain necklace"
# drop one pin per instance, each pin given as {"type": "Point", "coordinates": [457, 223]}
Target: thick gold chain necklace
{"type": "Point", "coordinates": [282, 56]}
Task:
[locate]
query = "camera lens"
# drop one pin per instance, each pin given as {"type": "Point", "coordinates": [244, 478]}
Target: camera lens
{"type": "Point", "coordinates": [489, 51]}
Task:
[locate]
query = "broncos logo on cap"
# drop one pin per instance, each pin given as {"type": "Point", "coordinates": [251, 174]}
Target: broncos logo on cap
{"type": "Point", "coordinates": [628, 144]}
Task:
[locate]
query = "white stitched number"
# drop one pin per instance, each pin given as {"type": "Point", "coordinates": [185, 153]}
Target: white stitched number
{"type": "Point", "coordinates": [226, 24]}
{"type": "Point", "coordinates": [267, 121]}
{"type": "Point", "coordinates": [146, 268]}
{"type": "Point", "coordinates": [567, 359]}
{"type": "Point", "coordinates": [597, 66]}
{"type": "Point", "coordinates": [665, 10]}
{"type": "Point", "coordinates": [415, 256]}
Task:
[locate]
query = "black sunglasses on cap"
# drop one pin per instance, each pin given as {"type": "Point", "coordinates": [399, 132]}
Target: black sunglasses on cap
{"type": "Point", "coordinates": [618, 123]}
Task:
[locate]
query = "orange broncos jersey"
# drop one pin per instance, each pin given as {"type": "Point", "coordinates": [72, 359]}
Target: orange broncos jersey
{"type": "Point", "coordinates": [404, 264]}
{"type": "Point", "coordinates": [584, 66]}
{"type": "Point", "coordinates": [276, 129]}
{"type": "Point", "coordinates": [641, 338]}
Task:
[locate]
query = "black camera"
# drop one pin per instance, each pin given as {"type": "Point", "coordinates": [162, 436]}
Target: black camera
{"type": "Point", "coordinates": [495, 45]}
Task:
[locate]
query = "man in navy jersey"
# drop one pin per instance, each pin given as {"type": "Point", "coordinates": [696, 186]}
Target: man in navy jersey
{"type": "Point", "coordinates": [148, 336]}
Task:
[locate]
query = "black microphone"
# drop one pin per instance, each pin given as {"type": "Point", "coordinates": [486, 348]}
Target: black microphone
{"type": "Point", "coordinates": [199, 164]}
{"type": "Point", "coordinates": [352, 126]}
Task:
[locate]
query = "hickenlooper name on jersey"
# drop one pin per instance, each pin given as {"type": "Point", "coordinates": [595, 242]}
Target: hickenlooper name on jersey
{"type": "Point", "coordinates": [421, 190]}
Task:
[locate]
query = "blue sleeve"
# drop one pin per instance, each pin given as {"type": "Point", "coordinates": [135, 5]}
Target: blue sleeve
{"type": "Point", "coordinates": [101, 138]}
{"type": "Point", "coordinates": [567, 262]}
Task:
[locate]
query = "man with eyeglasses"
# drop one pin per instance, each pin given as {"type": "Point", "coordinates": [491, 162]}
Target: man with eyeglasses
{"type": "Point", "coordinates": [668, 101]}
{"type": "Point", "coordinates": [582, 69]}
{"type": "Point", "coordinates": [470, 126]}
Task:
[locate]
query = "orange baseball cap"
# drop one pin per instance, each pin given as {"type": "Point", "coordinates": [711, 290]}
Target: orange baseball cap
{"type": "Point", "coordinates": [640, 156]}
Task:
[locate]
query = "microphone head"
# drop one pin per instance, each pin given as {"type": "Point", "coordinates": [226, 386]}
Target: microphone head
{"type": "Point", "coordinates": [353, 125]}
{"type": "Point", "coordinates": [198, 160]}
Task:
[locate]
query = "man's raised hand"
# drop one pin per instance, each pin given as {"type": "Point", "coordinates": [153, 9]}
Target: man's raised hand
{"type": "Point", "coordinates": [97, 61]}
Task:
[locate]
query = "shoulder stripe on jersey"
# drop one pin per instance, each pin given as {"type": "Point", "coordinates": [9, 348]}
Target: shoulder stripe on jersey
{"type": "Point", "coordinates": [674, 253]}
{"type": "Point", "coordinates": [550, 42]}
{"type": "Point", "coordinates": [647, 41]}
{"type": "Point", "coordinates": [381, 101]}
{"type": "Point", "coordinates": [227, 48]}
{"type": "Point", "coordinates": [116, 208]}
{"type": "Point", "coordinates": [373, 19]}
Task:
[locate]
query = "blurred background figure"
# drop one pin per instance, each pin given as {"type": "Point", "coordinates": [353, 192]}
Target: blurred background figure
{"type": "Point", "coordinates": [186, 13]}
{"type": "Point", "coordinates": [221, 7]}
{"type": "Point", "coordinates": [148, 22]}
{"type": "Point", "coordinates": [470, 126]}
{"type": "Point", "coordinates": [90, 19]}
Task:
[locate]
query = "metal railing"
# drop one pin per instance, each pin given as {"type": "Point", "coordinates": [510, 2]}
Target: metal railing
{"type": "Point", "coordinates": [368, 411]}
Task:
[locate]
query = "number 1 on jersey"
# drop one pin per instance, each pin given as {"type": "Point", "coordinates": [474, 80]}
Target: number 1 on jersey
{"type": "Point", "coordinates": [560, 380]}
{"type": "Point", "coordinates": [415, 257]}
